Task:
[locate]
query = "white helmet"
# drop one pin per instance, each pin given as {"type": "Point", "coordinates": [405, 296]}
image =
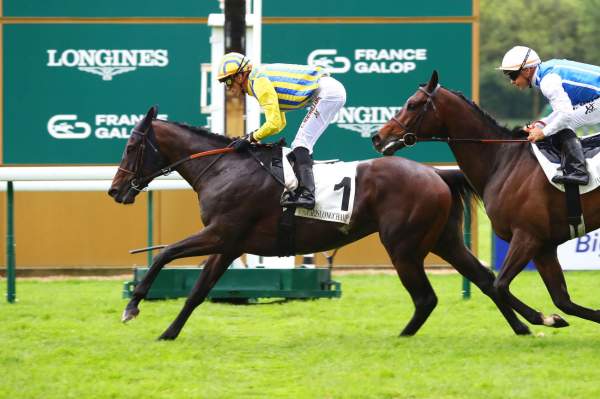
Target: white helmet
{"type": "Point", "coordinates": [519, 57]}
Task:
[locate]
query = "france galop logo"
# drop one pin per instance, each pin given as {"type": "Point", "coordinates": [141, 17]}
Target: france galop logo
{"type": "Point", "coordinates": [107, 63]}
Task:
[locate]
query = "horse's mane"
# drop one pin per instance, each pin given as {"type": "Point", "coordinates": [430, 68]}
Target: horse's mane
{"type": "Point", "coordinates": [201, 131]}
{"type": "Point", "coordinates": [516, 132]}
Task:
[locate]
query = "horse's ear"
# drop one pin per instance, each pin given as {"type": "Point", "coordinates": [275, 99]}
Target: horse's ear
{"type": "Point", "coordinates": [145, 123]}
{"type": "Point", "coordinates": [433, 81]}
{"type": "Point", "coordinates": [152, 112]}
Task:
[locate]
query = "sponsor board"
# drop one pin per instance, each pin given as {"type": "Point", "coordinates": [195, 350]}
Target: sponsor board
{"type": "Point", "coordinates": [582, 253]}
{"type": "Point", "coordinates": [77, 90]}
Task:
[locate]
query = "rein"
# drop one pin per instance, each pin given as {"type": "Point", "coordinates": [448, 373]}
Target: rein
{"type": "Point", "coordinates": [410, 139]}
{"type": "Point", "coordinates": [169, 169]}
{"type": "Point", "coordinates": [138, 183]}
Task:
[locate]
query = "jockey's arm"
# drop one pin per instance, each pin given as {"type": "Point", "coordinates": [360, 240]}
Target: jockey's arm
{"type": "Point", "coordinates": [560, 118]}
{"type": "Point", "coordinates": [269, 102]}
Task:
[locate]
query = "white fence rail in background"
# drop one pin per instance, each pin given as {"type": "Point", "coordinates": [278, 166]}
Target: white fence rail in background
{"type": "Point", "coordinates": [64, 178]}
{"type": "Point", "coordinates": [75, 178]}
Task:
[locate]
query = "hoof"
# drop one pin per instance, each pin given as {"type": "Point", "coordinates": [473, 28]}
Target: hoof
{"type": "Point", "coordinates": [405, 334]}
{"type": "Point", "coordinates": [559, 322]}
{"type": "Point", "coordinates": [166, 336]}
{"type": "Point", "coordinates": [522, 330]}
{"type": "Point", "coordinates": [129, 314]}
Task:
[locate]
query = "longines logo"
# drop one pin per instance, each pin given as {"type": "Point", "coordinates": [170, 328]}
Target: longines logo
{"type": "Point", "coordinates": [105, 126]}
{"type": "Point", "coordinates": [364, 120]}
{"type": "Point", "coordinates": [107, 63]}
{"type": "Point", "coordinates": [368, 60]}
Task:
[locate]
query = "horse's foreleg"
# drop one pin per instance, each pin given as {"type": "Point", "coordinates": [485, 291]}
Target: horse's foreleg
{"type": "Point", "coordinates": [454, 252]}
{"type": "Point", "coordinates": [554, 279]}
{"type": "Point", "coordinates": [521, 250]}
{"type": "Point", "coordinates": [203, 243]}
{"type": "Point", "coordinates": [213, 270]}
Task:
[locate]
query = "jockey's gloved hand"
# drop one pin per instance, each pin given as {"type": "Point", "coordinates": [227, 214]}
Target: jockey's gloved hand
{"type": "Point", "coordinates": [243, 143]}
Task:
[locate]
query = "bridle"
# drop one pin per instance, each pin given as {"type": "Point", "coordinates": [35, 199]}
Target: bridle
{"type": "Point", "coordinates": [137, 182]}
{"type": "Point", "coordinates": [410, 138]}
{"type": "Point", "coordinates": [140, 182]}
{"type": "Point", "coordinates": [417, 122]}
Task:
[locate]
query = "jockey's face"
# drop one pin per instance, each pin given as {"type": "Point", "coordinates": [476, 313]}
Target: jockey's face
{"type": "Point", "coordinates": [522, 81]}
{"type": "Point", "coordinates": [236, 88]}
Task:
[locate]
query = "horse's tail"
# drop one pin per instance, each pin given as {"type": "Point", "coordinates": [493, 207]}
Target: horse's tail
{"type": "Point", "coordinates": [461, 189]}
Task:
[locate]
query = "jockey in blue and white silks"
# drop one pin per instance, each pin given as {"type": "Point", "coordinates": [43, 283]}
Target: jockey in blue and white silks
{"type": "Point", "coordinates": [573, 91]}
{"type": "Point", "coordinates": [572, 88]}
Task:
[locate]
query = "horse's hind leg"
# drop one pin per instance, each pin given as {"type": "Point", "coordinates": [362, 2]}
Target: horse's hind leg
{"type": "Point", "coordinates": [451, 248]}
{"type": "Point", "coordinates": [554, 279]}
{"type": "Point", "coordinates": [411, 270]}
{"type": "Point", "coordinates": [203, 243]}
{"type": "Point", "coordinates": [522, 248]}
{"type": "Point", "coordinates": [413, 277]}
{"type": "Point", "coordinates": [213, 270]}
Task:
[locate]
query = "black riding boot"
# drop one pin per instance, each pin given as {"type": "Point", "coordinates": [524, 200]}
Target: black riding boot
{"type": "Point", "coordinates": [304, 196]}
{"type": "Point", "coordinates": [572, 160]}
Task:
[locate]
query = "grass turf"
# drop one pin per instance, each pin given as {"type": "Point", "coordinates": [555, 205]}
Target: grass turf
{"type": "Point", "coordinates": [63, 339]}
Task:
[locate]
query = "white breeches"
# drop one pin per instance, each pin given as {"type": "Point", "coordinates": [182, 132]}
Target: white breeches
{"type": "Point", "coordinates": [582, 115]}
{"type": "Point", "coordinates": [327, 101]}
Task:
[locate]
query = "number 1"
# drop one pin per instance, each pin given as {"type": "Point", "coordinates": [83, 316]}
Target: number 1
{"type": "Point", "coordinates": [345, 184]}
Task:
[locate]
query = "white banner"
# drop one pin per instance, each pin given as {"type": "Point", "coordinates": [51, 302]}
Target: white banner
{"type": "Point", "coordinates": [581, 253]}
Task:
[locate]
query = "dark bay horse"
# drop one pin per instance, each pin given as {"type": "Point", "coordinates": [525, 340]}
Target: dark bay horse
{"type": "Point", "coordinates": [524, 208]}
{"type": "Point", "coordinates": [411, 206]}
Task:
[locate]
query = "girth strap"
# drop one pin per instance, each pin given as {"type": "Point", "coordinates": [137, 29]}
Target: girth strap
{"type": "Point", "coordinates": [574, 212]}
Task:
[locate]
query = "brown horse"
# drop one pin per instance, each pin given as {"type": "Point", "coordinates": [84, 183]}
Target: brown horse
{"type": "Point", "coordinates": [410, 205]}
{"type": "Point", "coordinates": [523, 206]}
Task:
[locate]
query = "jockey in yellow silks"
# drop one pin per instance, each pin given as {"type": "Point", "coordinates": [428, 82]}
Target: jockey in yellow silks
{"type": "Point", "coordinates": [280, 88]}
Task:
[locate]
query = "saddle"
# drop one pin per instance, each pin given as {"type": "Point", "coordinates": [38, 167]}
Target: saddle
{"type": "Point", "coordinates": [335, 184]}
{"type": "Point", "coordinates": [548, 157]}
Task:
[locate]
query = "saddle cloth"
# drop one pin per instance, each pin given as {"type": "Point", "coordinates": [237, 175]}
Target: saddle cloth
{"type": "Point", "coordinates": [335, 184]}
{"type": "Point", "coordinates": [549, 159]}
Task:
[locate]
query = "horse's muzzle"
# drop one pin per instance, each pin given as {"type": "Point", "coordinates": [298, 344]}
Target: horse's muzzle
{"type": "Point", "coordinates": [123, 196]}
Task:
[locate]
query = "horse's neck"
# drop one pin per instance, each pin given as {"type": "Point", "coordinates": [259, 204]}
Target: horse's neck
{"type": "Point", "coordinates": [190, 143]}
{"type": "Point", "coordinates": [483, 163]}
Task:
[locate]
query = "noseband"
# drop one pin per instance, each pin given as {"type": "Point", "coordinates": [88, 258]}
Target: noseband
{"type": "Point", "coordinates": [412, 138]}
{"type": "Point", "coordinates": [137, 181]}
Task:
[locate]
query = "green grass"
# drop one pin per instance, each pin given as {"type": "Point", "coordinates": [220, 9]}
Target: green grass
{"type": "Point", "coordinates": [63, 339]}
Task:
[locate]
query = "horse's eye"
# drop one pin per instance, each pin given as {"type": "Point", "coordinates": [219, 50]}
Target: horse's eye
{"type": "Point", "coordinates": [411, 106]}
{"type": "Point", "coordinates": [128, 149]}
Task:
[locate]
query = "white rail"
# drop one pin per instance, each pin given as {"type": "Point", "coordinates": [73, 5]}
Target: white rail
{"type": "Point", "coordinates": [75, 178]}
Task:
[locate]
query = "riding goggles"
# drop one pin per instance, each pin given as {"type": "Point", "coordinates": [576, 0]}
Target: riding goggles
{"type": "Point", "coordinates": [512, 75]}
{"type": "Point", "coordinates": [228, 81]}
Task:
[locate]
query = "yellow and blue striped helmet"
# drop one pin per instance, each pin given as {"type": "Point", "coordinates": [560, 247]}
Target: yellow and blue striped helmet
{"type": "Point", "coordinates": [232, 64]}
